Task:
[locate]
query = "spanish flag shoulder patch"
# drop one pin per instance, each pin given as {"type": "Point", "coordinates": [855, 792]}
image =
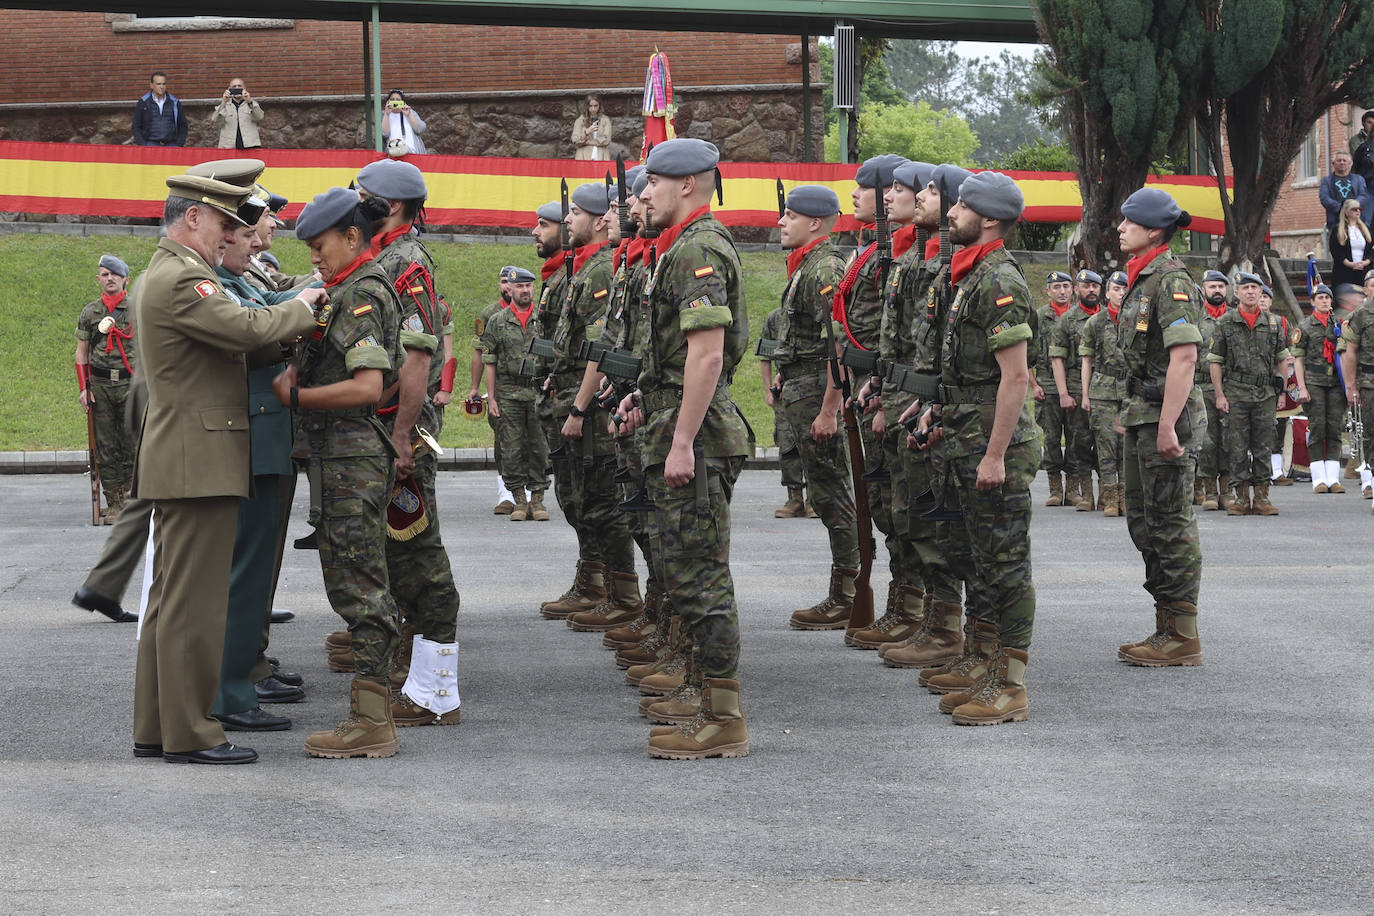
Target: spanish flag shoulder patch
{"type": "Point", "coordinates": [361, 310]}
{"type": "Point", "coordinates": [1180, 297]}
{"type": "Point", "coordinates": [827, 289]}
{"type": "Point", "coordinates": [1005, 300]}
{"type": "Point", "coordinates": [706, 271]}
{"type": "Point", "coordinates": [206, 288]}
{"type": "Point", "coordinates": [600, 294]}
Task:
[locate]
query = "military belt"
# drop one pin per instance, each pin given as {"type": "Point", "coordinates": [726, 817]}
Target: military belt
{"type": "Point", "coordinates": [651, 402]}
{"type": "Point", "coordinates": [949, 395]}
{"type": "Point", "coordinates": [109, 375]}
{"type": "Point", "coordinates": [1118, 374]}
{"type": "Point", "coordinates": [1319, 369]}
{"type": "Point", "coordinates": [1147, 390]}
{"type": "Point", "coordinates": [800, 367]}
{"type": "Point", "coordinates": [1244, 378]}
{"type": "Point", "coordinates": [369, 410]}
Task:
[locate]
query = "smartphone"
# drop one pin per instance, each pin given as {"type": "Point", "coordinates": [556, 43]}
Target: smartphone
{"type": "Point", "coordinates": [236, 90]}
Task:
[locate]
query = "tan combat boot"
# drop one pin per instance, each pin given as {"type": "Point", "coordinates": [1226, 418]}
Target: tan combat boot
{"type": "Point", "coordinates": [717, 731]}
{"type": "Point", "coordinates": [537, 511]}
{"type": "Point", "coordinates": [367, 732]}
{"type": "Point", "coordinates": [1159, 628]}
{"type": "Point", "coordinates": [906, 605]}
{"type": "Point", "coordinates": [851, 632]}
{"type": "Point", "coordinates": [1111, 503]}
{"type": "Point", "coordinates": [980, 645]}
{"type": "Point", "coordinates": [621, 605]}
{"type": "Point", "coordinates": [339, 639]}
{"type": "Point", "coordinates": [1225, 495]}
{"type": "Point", "coordinates": [588, 590]}
{"type": "Point", "coordinates": [917, 606]}
{"type": "Point", "coordinates": [1210, 502]}
{"type": "Point", "coordinates": [1071, 490]}
{"type": "Point", "coordinates": [504, 507]}
{"type": "Point", "coordinates": [521, 510]}
{"type": "Point", "coordinates": [795, 507]}
{"type": "Point", "coordinates": [339, 647]}
{"type": "Point", "coordinates": [1056, 489]}
{"type": "Point", "coordinates": [682, 705]}
{"type": "Point", "coordinates": [1240, 500]}
{"type": "Point", "coordinates": [406, 714]}
{"type": "Point", "coordinates": [1261, 504]}
{"type": "Point", "coordinates": [669, 673]}
{"type": "Point", "coordinates": [1199, 491]}
{"type": "Point", "coordinates": [1176, 643]}
{"type": "Point", "coordinates": [651, 651]}
{"type": "Point", "coordinates": [1003, 695]}
{"type": "Point", "coordinates": [944, 640]}
{"type": "Point", "coordinates": [643, 626]}
{"type": "Point", "coordinates": [833, 612]}
{"type": "Point", "coordinates": [1352, 469]}
{"type": "Point", "coordinates": [1085, 501]}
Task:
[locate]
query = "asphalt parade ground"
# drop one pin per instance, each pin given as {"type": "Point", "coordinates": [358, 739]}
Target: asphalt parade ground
{"type": "Point", "coordinates": [1241, 786]}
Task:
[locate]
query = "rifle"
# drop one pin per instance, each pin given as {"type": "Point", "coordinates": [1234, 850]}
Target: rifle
{"type": "Point", "coordinates": [939, 511]}
{"type": "Point", "coordinates": [93, 459]}
{"type": "Point", "coordinates": [622, 195]}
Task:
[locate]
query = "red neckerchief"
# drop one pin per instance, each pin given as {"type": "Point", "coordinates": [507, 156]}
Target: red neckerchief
{"type": "Point", "coordinates": [551, 267]}
{"type": "Point", "coordinates": [1059, 310]}
{"type": "Point", "coordinates": [1113, 312]}
{"type": "Point", "coordinates": [112, 302]}
{"type": "Point", "coordinates": [797, 255]}
{"type": "Point", "coordinates": [668, 236]}
{"type": "Point", "coordinates": [353, 265]}
{"type": "Point", "coordinates": [117, 336]}
{"type": "Point", "coordinates": [520, 316]}
{"type": "Point", "coordinates": [619, 255]}
{"type": "Point", "coordinates": [1135, 265]}
{"type": "Point", "coordinates": [965, 259]}
{"type": "Point", "coordinates": [583, 254]}
{"type": "Point", "coordinates": [1328, 345]}
{"type": "Point", "coordinates": [635, 253]}
{"type": "Point", "coordinates": [932, 247]}
{"type": "Point", "coordinates": [384, 239]}
{"type": "Point", "coordinates": [1323, 317]}
{"type": "Point", "coordinates": [903, 239]}
{"type": "Point", "coordinates": [1215, 311]}
{"type": "Point", "coordinates": [1090, 311]}
{"type": "Point", "coordinates": [1249, 318]}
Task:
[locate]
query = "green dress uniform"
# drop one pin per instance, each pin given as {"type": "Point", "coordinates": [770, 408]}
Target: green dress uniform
{"type": "Point", "coordinates": [801, 359]}
{"type": "Point", "coordinates": [524, 450]}
{"type": "Point", "coordinates": [108, 327]}
{"type": "Point", "coordinates": [1106, 388]}
{"type": "Point", "coordinates": [1211, 460]}
{"type": "Point", "coordinates": [1248, 359]}
{"type": "Point", "coordinates": [696, 285]}
{"type": "Point", "coordinates": [784, 433]}
{"type": "Point", "coordinates": [1049, 416]}
{"type": "Point", "coordinates": [359, 328]}
{"type": "Point", "coordinates": [1316, 346]}
{"type": "Point", "coordinates": [194, 461]}
{"type": "Point", "coordinates": [1078, 433]}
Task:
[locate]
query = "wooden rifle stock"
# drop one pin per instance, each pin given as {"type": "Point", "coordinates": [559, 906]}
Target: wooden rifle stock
{"type": "Point", "coordinates": [861, 612]}
{"type": "Point", "coordinates": [93, 459]}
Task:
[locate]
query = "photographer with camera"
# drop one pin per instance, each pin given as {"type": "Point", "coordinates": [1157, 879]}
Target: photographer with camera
{"type": "Point", "coordinates": [238, 114]}
{"type": "Point", "coordinates": [401, 126]}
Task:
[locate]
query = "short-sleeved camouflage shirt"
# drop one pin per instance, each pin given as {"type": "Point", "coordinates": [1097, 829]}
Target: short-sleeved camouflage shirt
{"type": "Point", "coordinates": [1100, 344]}
{"type": "Point", "coordinates": [1160, 311]}
{"type": "Point", "coordinates": [1313, 336]}
{"type": "Point", "coordinates": [479, 326]}
{"type": "Point", "coordinates": [105, 353]}
{"type": "Point", "coordinates": [505, 344]}
{"type": "Point", "coordinates": [1359, 330]}
{"type": "Point", "coordinates": [807, 301]}
{"type": "Point", "coordinates": [1068, 331]}
{"type": "Point", "coordinates": [1249, 356]}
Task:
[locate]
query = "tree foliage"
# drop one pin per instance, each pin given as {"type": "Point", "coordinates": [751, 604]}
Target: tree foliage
{"type": "Point", "coordinates": [1037, 156]}
{"type": "Point", "coordinates": [915, 131]}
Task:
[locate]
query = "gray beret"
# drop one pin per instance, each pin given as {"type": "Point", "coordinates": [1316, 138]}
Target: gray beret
{"type": "Point", "coordinates": [507, 272]}
{"type": "Point", "coordinates": [949, 178]}
{"type": "Point", "coordinates": [551, 211]}
{"type": "Point", "coordinates": [325, 212]}
{"type": "Point", "coordinates": [1242, 278]}
{"type": "Point", "coordinates": [1266, 291]}
{"type": "Point", "coordinates": [591, 198]}
{"type": "Point", "coordinates": [813, 200]}
{"type": "Point", "coordinates": [914, 175]}
{"type": "Point", "coordinates": [1349, 289]}
{"type": "Point", "coordinates": [992, 195]}
{"type": "Point", "coordinates": [1154, 209]}
{"type": "Point", "coordinates": [640, 183]}
{"type": "Point", "coordinates": [1321, 288]}
{"type": "Point", "coordinates": [1088, 276]}
{"type": "Point", "coordinates": [1119, 278]}
{"type": "Point", "coordinates": [632, 178]}
{"type": "Point", "coordinates": [1367, 275]}
{"type": "Point", "coordinates": [1214, 276]}
{"type": "Point", "coordinates": [878, 170]}
{"type": "Point", "coordinates": [683, 156]}
{"type": "Point", "coordinates": [1058, 276]}
{"type": "Point", "coordinates": [393, 179]}
{"type": "Point", "coordinates": [114, 265]}
{"type": "Point", "coordinates": [522, 275]}
{"type": "Point", "coordinates": [269, 259]}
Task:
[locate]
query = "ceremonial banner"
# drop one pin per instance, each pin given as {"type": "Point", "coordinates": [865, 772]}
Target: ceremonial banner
{"type": "Point", "coordinates": [73, 179]}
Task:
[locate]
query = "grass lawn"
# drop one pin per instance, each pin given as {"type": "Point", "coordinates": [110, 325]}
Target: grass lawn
{"type": "Point", "coordinates": [48, 279]}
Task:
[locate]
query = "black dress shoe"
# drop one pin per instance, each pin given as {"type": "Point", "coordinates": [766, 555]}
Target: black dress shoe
{"type": "Point", "coordinates": [280, 616]}
{"type": "Point", "coordinates": [147, 750]}
{"type": "Point", "coordinates": [223, 754]}
{"type": "Point", "coordinates": [89, 600]}
{"type": "Point", "coordinates": [310, 542]}
{"type": "Point", "coordinates": [253, 720]}
{"type": "Point", "coordinates": [290, 678]}
{"type": "Point", "coordinates": [271, 690]}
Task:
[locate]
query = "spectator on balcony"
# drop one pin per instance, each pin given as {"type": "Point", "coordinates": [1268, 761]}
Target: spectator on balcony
{"type": "Point", "coordinates": [1351, 250]}
{"type": "Point", "coordinates": [238, 114]}
{"type": "Point", "coordinates": [402, 126]}
{"type": "Point", "coordinates": [158, 117]}
{"type": "Point", "coordinates": [1362, 149]}
{"type": "Point", "coordinates": [591, 132]}
{"type": "Point", "coordinates": [1341, 185]}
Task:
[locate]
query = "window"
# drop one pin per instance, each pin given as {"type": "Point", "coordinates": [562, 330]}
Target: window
{"type": "Point", "coordinates": [1309, 157]}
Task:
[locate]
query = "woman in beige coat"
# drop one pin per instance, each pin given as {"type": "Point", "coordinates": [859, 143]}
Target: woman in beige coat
{"type": "Point", "coordinates": [591, 132]}
{"type": "Point", "coordinates": [238, 114]}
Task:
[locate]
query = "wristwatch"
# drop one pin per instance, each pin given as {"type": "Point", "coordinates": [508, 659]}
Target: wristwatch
{"type": "Point", "coordinates": [577, 412]}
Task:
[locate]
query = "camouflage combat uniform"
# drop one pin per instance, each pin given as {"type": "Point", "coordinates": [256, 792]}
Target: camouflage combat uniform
{"type": "Point", "coordinates": [1106, 389]}
{"type": "Point", "coordinates": [1359, 330]}
{"type": "Point", "coordinates": [524, 451]}
{"type": "Point", "coordinates": [546, 314]}
{"type": "Point", "coordinates": [1326, 411]}
{"type": "Point", "coordinates": [1049, 416]}
{"type": "Point", "coordinates": [801, 359]}
{"type": "Point", "coordinates": [1078, 433]}
{"type": "Point", "coordinates": [1248, 359]}
{"type": "Point", "coordinates": [784, 434]}
{"type": "Point", "coordinates": [1211, 460]}
{"type": "Point", "coordinates": [479, 327]}
{"type": "Point", "coordinates": [112, 361]}
{"type": "Point", "coordinates": [696, 285]}
{"type": "Point", "coordinates": [359, 328]}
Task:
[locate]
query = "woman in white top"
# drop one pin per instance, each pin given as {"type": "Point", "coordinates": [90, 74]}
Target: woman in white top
{"type": "Point", "coordinates": [401, 126]}
{"type": "Point", "coordinates": [1350, 246]}
{"type": "Point", "coordinates": [591, 132]}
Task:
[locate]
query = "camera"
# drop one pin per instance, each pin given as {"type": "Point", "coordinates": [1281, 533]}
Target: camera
{"type": "Point", "coordinates": [396, 104]}
{"type": "Point", "coordinates": [236, 90]}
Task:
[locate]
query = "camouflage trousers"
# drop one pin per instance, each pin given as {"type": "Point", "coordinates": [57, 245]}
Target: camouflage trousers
{"type": "Point", "coordinates": [601, 524]}
{"type": "Point", "coordinates": [352, 532]}
{"type": "Point", "coordinates": [1249, 441]}
{"type": "Point", "coordinates": [1211, 461]}
{"type": "Point", "coordinates": [826, 467]}
{"type": "Point", "coordinates": [919, 560]}
{"type": "Point", "coordinates": [1159, 515]}
{"type": "Point", "coordinates": [1104, 417]}
{"type": "Point", "coordinates": [643, 527]}
{"type": "Point", "coordinates": [114, 441]}
{"type": "Point", "coordinates": [497, 447]}
{"type": "Point", "coordinates": [1080, 444]}
{"type": "Point", "coordinates": [997, 522]}
{"type": "Point", "coordinates": [420, 574]}
{"type": "Point", "coordinates": [879, 491]}
{"type": "Point", "coordinates": [1367, 419]}
{"type": "Point", "coordinates": [1325, 422]}
{"type": "Point", "coordinates": [1050, 418]}
{"type": "Point", "coordinates": [523, 452]}
{"type": "Point", "coordinates": [789, 457]}
{"type": "Point", "coordinates": [566, 462]}
{"type": "Point", "coordinates": [694, 562]}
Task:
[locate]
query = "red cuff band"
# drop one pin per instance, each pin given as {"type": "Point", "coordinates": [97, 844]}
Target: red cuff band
{"type": "Point", "coordinates": [450, 371]}
{"type": "Point", "coordinates": [81, 375]}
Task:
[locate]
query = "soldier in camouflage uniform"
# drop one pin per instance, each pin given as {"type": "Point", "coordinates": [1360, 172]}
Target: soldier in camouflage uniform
{"type": "Point", "coordinates": [505, 500]}
{"type": "Point", "coordinates": [335, 385]}
{"type": "Point", "coordinates": [1320, 390]}
{"type": "Point", "coordinates": [418, 566]}
{"type": "Point", "coordinates": [1357, 370]}
{"type": "Point", "coordinates": [810, 398]}
{"type": "Point", "coordinates": [1211, 465]}
{"type": "Point", "coordinates": [1103, 388]}
{"type": "Point", "coordinates": [696, 439]}
{"type": "Point", "coordinates": [1049, 413]}
{"type": "Point", "coordinates": [105, 361]}
{"type": "Point", "coordinates": [1066, 367]}
{"type": "Point", "coordinates": [1163, 416]}
{"type": "Point", "coordinates": [505, 342]}
{"type": "Point", "coordinates": [990, 438]}
{"type": "Point", "coordinates": [1248, 352]}
{"type": "Point", "coordinates": [784, 435]}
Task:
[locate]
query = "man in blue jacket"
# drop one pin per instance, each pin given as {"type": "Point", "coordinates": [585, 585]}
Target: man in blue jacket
{"type": "Point", "coordinates": [158, 117]}
{"type": "Point", "coordinates": [1341, 185]}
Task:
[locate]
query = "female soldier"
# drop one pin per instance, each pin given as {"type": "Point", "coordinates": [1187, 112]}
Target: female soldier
{"type": "Point", "coordinates": [335, 384]}
{"type": "Point", "coordinates": [1319, 388]}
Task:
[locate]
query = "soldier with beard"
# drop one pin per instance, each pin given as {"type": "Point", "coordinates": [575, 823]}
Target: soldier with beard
{"type": "Point", "coordinates": [1049, 413]}
{"type": "Point", "coordinates": [1208, 492]}
{"type": "Point", "coordinates": [1066, 365]}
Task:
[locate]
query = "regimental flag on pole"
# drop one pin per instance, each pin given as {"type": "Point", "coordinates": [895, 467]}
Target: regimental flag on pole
{"type": "Point", "coordinates": [1312, 278]}
{"type": "Point", "coordinates": [659, 108]}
